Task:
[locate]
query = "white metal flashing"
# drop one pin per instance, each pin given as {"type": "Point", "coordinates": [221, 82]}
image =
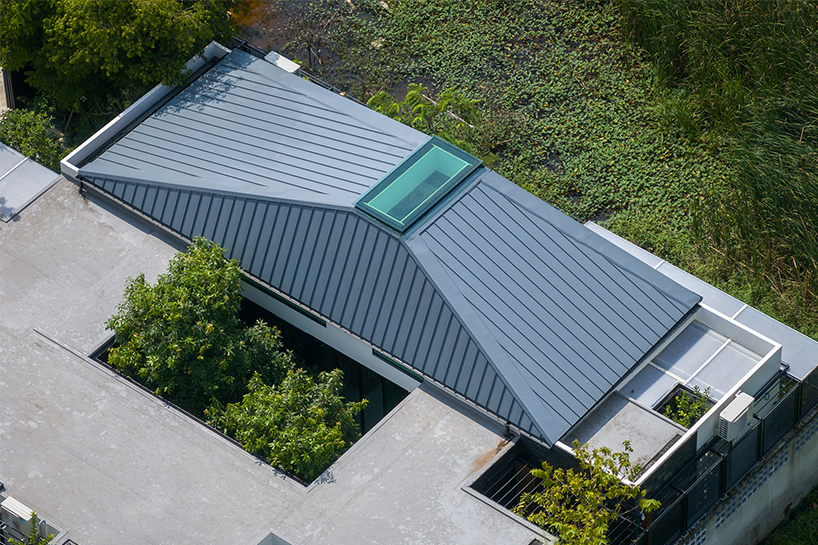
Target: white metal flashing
{"type": "Point", "coordinates": [282, 62]}
{"type": "Point", "coordinates": [69, 166]}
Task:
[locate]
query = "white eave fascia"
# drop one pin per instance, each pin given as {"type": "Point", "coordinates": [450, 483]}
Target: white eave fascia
{"type": "Point", "coordinates": [282, 62]}
{"type": "Point", "coordinates": [69, 165]}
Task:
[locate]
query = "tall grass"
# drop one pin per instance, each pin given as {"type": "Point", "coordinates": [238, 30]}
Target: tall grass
{"type": "Point", "coordinates": [742, 76]}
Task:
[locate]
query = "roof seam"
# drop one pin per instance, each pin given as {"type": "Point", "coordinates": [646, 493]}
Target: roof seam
{"type": "Point", "coordinates": [477, 341]}
{"type": "Point", "coordinates": [544, 277]}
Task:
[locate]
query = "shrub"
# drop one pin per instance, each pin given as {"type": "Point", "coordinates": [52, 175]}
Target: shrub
{"type": "Point", "coordinates": [30, 133]}
{"type": "Point", "coordinates": [301, 425]}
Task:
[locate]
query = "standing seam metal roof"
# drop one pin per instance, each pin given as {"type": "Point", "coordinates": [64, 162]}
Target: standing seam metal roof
{"type": "Point", "coordinates": [344, 267]}
{"type": "Point", "coordinates": [248, 124]}
{"type": "Point", "coordinates": [494, 294]}
{"type": "Point", "coordinates": [571, 320]}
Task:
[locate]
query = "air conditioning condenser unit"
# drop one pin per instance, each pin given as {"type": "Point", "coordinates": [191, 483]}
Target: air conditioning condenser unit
{"type": "Point", "coordinates": [735, 418]}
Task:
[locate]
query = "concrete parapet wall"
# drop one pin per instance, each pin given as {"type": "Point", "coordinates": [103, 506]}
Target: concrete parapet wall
{"type": "Point", "coordinates": [763, 498]}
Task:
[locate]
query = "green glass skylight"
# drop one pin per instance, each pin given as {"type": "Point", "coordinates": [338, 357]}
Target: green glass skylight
{"type": "Point", "coordinates": [419, 182]}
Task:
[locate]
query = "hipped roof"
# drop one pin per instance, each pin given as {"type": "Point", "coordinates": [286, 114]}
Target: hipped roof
{"type": "Point", "coordinates": [494, 294]}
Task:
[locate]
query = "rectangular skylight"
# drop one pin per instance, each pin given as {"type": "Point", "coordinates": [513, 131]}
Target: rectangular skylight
{"type": "Point", "coordinates": [418, 183]}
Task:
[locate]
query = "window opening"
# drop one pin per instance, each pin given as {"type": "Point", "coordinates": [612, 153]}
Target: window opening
{"type": "Point", "coordinates": [418, 183]}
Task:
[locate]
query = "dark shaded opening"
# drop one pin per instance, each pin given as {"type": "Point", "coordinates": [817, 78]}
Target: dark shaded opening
{"type": "Point", "coordinates": [360, 382]}
{"type": "Point", "coordinates": [671, 402]}
{"type": "Point", "coordinates": [510, 477]}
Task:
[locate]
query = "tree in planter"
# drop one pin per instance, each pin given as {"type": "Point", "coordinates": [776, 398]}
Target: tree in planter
{"type": "Point", "coordinates": [686, 409]}
{"type": "Point", "coordinates": [28, 133]}
{"type": "Point", "coordinates": [579, 505]}
{"type": "Point", "coordinates": [182, 337]}
{"type": "Point", "coordinates": [301, 425]}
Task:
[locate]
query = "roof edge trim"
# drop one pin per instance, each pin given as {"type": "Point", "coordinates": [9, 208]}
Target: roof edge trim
{"type": "Point", "coordinates": [69, 165]}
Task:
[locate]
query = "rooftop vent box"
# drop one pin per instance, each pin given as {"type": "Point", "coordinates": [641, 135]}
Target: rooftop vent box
{"type": "Point", "coordinates": [735, 418]}
{"type": "Point", "coordinates": [16, 515]}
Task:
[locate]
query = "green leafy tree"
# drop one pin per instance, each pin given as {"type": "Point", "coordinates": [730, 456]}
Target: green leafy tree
{"type": "Point", "coordinates": [686, 409]}
{"type": "Point", "coordinates": [301, 425]}
{"type": "Point", "coordinates": [92, 51]}
{"type": "Point", "coordinates": [34, 537]}
{"type": "Point", "coordinates": [29, 133]}
{"type": "Point", "coordinates": [579, 505]}
{"type": "Point", "coordinates": [451, 116]}
{"type": "Point", "coordinates": [183, 338]}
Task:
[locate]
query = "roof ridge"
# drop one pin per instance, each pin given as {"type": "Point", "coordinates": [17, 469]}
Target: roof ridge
{"type": "Point", "coordinates": [418, 249]}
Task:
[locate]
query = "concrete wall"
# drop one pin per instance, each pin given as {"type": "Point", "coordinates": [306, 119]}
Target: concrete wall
{"type": "Point", "coordinates": [333, 336]}
{"type": "Point", "coordinates": [766, 495]}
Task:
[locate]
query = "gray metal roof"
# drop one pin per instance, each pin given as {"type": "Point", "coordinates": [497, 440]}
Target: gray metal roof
{"type": "Point", "coordinates": [495, 294]}
{"type": "Point", "coordinates": [247, 126]}
{"type": "Point", "coordinates": [558, 310]}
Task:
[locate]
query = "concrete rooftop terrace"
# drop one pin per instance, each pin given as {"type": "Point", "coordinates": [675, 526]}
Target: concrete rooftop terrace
{"type": "Point", "coordinates": [110, 463]}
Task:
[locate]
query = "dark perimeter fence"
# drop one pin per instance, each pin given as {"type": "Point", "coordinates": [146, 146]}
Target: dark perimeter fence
{"type": "Point", "coordinates": [688, 483]}
{"type": "Point", "coordinates": [692, 481]}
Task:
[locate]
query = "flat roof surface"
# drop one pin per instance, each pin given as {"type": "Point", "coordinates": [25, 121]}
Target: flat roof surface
{"type": "Point", "coordinates": [111, 463]}
{"type": "Point", "coordinates": [617, 419]}
{"type": "Point", "coordinates": [21, 180]}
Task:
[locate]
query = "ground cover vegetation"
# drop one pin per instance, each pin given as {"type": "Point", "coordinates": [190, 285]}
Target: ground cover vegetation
{"type": "Point", "coordinates": [580, 504]}
{"type": "Point", "coordinates": [686, 127]}
{"type": "Point", "coordinates": [741, 79]}
{"type": "Point", "coordinates": [182, 338]}
{"type": "Point", "coordinates": [802, 526]}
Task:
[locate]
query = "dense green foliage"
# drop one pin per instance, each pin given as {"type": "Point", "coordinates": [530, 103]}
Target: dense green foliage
{"type": "Point", "coordinates": [742, 77]}
{"type": "Point", "coordinates": [29, 133]}
{"type": "Point", "coordinates": [86, 54]}
{"type": "Point", "coordinates": [579, 505]}
{"type": "Point", "coordinates": [301, 425]}
{"type": "Point", "coordinates": [686, 409]}
{"type": "Point", "coordinates": [182, 337]}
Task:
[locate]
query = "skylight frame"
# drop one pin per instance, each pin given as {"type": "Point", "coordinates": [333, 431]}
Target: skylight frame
{"type": "Point", "coordinates": [396, 188]}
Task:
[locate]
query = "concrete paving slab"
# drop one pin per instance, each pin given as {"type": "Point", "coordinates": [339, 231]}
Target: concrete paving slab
{"type": "Point", "coordinates": [617, 419]}
{"type": "Point", "coordinates": [411, 483]}
{"type": "Point", "coordinates": [111, 463]}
